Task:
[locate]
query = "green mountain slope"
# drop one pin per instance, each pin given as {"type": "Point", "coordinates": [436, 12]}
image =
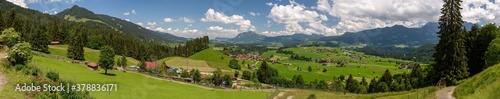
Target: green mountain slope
{"type": "Point", "coordinates": [214, 58]}
{"type": "Point", "coordinates": [485, 85]}
{"type": "Point", "coordinates": [80, 14]}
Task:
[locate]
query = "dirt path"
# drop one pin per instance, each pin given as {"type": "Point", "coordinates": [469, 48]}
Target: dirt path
{"type": "Point", "coordinates": [446, 93]}
{"type": "Point", "coordinates": [3, 79]}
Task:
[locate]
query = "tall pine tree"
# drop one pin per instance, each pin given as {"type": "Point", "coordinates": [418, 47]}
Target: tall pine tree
{"type": "Point", "coordinates": [76, 44]}
{"type": "Point", "coordinates": [451, 62]}
{"type": "Point", "coordinates": [475, 60]}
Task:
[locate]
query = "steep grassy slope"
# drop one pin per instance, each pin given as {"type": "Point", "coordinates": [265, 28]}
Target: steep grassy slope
{"type": "Point", "coordinates": [214, 58]}
{"type": "Point", "coordinates": [485, 85]}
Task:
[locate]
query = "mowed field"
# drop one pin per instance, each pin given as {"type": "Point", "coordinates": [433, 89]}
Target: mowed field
{"type": "Point", "coordinates": [138, 86]}
{"type": "Point", "coordinates": [370, 70]}
{"type": "Point", "coordinates": [180, 62]}
{"type": "Point", "coordinates": [90, 54]}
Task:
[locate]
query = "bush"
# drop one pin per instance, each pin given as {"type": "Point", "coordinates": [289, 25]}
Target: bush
{"type": "Point", "coordinates": [19, 67]}
{"type": "Point", "coordinates": [53, 76]}
{"type": "Point", "coordinates": [35, 71]}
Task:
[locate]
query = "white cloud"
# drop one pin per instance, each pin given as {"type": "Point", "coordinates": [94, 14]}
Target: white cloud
{"type": "Point", "coordinates": [254, 14]}
{"type": "Point", "coordinates": [151, 23]}
{"type": "Point", "coordinates": [356, 15]}
{"type": "Point", "coordinates": [127, 20]}
{"type": "Point", "coordinates": [19, 3]}
{"type": "Point", "coordinates": [294, 14]}
{"type": "Point", "coordinates": [481, 10]}
{"type": "Point", "coordinates": [187, 20]}
{"type": "Point", "coordinates": [168, 20]}
{"type": "Point", "coordinates": [126, 13]}
{"type": "Point", "coordinates": [140, 23]}
{"type": "Point", "coordinates": [269, 4]}
{"type": "Point", "coordinates": [212, 16]}
{"type": "Point", "coordinates": [131, 12]}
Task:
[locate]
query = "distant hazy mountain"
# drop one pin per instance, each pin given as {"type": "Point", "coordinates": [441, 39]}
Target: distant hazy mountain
{"type": "Point", "coordinates": [397, 34]}
{"type": "Point", "coordinates": [294, 37]}
{"type": "Point", "coordinates": [80, 14]}
{"type": "Point", "coordinates": [248, 37]}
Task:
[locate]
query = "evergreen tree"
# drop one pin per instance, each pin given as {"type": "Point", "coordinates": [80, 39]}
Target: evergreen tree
{"type": "Point", "coordinates": [475, 61]}
{"type": "Point", "coordinates": [236, 73]}
{"type": "Point", "coordinates": [76, 44]}
{"type": "Point", "coordinates": [417, 75]}
{"type": "Point", "coordinates": [40, 41]}
{"type": "Point", "coordinates": [351, 84]}
{"type": "Point", "coordinates": [372, 88]}
{"type": "Point", "coordinates": [309, 69]}
{"type": "Point", "coordinates": [364, 83]}
{"type": "Point", "coordinates": [265, 73]}
{"type": "Point", "coordinates": [106, 59]}
{"type": "Point", "coordinates": [387, 77]}
{"type": "Point", "coordinates": [450, 59]}
{"type": "Point", "coordinates": [123, 61]}
{"type": "Point", "coordinates": [299, 81]}
{"type": "Point", "coordinates": [196, 76]}
{"type": "Point", "coordinates": [488, 33]}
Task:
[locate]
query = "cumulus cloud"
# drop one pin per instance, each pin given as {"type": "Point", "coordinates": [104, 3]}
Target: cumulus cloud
{"type": "Point", "coordinates": [19, 3]}
{"type": "Point", "coordinates": [356, 15]}
{"type": "Point", "coordinates": [168, 20]}
{"type": "Point", "coordinates": [254, 14]}
{"type": "Point", "coordinates": [187, 20]}
{"type": "Point", "coordinates": [212, 16]}
{"type": "Point", "coordinates": [219, 29]}
{"type": "Point", "coordinates": [481, 11]}
{"type": "Point", "coordinates": [140, 23]}
{"type": "Point", "coordinates": [126, 13]}
{"type": "Point", "coordinates": [292, 15]}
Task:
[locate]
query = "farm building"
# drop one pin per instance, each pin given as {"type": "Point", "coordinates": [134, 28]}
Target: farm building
{"type": "Point", "coordinates": [55, 42]}
{"type": "Point", "coordinates": [91, 65]}
{"type": "Point", "coordinates": [150, 65]}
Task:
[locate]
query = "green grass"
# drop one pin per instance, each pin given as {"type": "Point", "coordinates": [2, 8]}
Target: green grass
{"type": "Point", "coordinates": [422, 93]}
{"type": "Point", "coordinates": [180, 62]}
{"type": "Point", "coordinates": [369, 71]}
{"type": "Point", "coordinates": [15, 77]}
{"type": "Point", "coordinates": [216, 59]}
{"type": "Point", "coordinates": [89, 54]}
{"type": "Point", "coordinates": [485, 85]}
{"type": "Point", "coordinates": [137, 86]}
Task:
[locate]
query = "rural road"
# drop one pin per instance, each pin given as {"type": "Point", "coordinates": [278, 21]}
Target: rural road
{"type": "Point", "coordinates": [446, 93]}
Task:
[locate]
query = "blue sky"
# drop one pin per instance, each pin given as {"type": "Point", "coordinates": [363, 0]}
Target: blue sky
{"type": "Point", "coordinates": [227, 18]}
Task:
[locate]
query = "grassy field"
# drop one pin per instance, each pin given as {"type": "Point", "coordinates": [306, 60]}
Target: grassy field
{"type": "Point", "coordinates": [485, 85]}
{"type": "Point", "coordinates": [422, 93]}
{"type": "Point", "coordinates": [216, 59]}
{"type": "Point", "coordinates": [89, 54]}
{"type": "Point", "coordinates": [369, 71]}
{"type": "Point", "coordinates": [180, 62]}
{"type": "Point", "coordinates": [137, 86]}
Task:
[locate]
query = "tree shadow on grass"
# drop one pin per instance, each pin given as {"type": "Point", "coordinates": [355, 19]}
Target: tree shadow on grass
{"type": "Point", "coordinates": [108, 74]}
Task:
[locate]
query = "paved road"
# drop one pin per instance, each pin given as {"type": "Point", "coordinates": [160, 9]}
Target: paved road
{"type": "Point", "coordinates": [446, 93]}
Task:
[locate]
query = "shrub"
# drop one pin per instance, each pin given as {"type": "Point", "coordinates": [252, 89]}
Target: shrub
{"type": "Point", "coordinates": [312, 96]}
{"type": "Point", "coordinates": [35, 71]}
{"type": "Point", "coordinates": [53, 76]}
{"type": "Point", "coordinates": [19, 67]}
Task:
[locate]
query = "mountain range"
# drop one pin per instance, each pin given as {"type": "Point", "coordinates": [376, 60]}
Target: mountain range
{"type": "Point", "coordinates": [80, 14]}
{"type": "Point", "coordinates": [387, 36]}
